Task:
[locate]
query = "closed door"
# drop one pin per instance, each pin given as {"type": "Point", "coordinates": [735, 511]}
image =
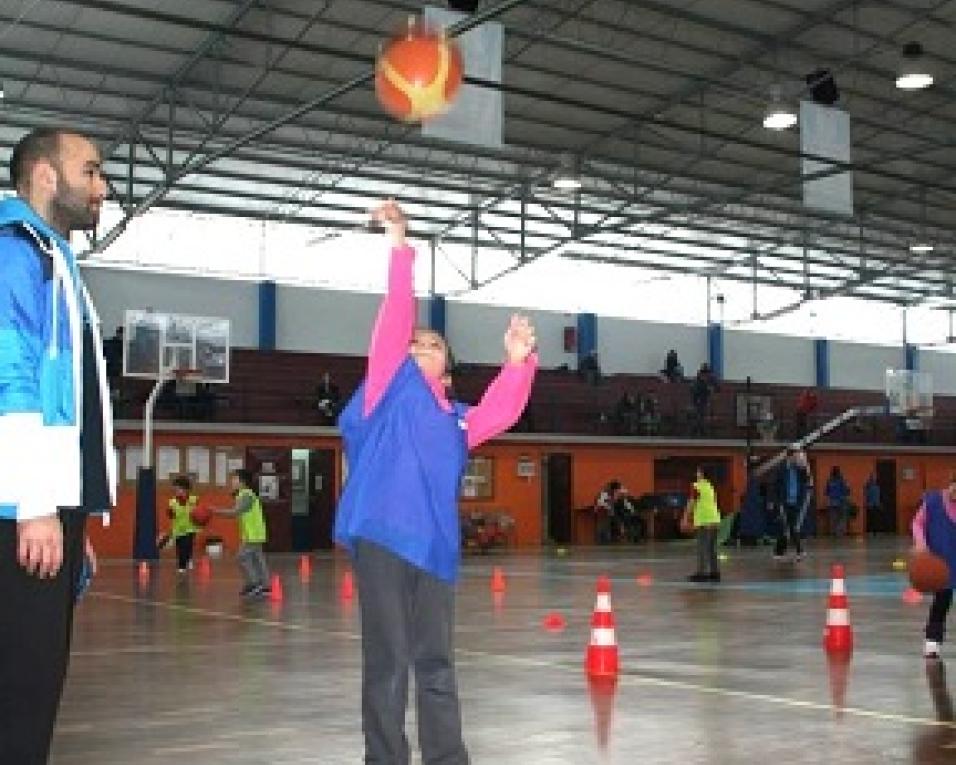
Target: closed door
{"type": "Point", "coordinates": [558, 500]}
{"type": "Point", "coordinates": [322, 481]}
{"type": "Point", "coordinates": [272, 473]}
{"type": "Point", "coordinates": [883, 520]}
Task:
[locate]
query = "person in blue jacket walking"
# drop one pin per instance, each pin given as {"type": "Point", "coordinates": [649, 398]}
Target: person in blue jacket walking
{"type": "Point", "coordinates": [56, 453]}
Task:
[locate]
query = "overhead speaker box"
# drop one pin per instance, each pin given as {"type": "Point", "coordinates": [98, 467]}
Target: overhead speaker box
{"type": "Point", "coordinates": [823, 88]}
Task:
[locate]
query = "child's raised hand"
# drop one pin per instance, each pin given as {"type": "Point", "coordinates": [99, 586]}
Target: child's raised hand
{"type": "Point", "coordinates": [390, 215]}
{"type": "Point", "coordinates": [519, 339]}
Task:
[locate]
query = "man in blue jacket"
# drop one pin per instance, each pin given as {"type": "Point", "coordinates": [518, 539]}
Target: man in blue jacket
{"type": "Point", "coordinates": [56, 453]}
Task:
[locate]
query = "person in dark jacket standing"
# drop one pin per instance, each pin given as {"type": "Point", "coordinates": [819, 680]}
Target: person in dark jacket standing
{"type": "Point", "coordinates": [794, 487]}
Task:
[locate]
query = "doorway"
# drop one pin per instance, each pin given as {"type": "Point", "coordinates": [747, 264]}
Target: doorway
{"type": "Point", "coordinates": [557, 499]}
{"type": "Point", "coordinates": [313, 498]}
{"type": "Point", "coordinates": [883, 520]}
{"type": "Point", "coordinates": [271, 468]}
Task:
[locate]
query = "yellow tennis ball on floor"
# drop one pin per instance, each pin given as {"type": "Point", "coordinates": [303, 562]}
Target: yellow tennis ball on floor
{"type": "Point", "coordinates": [723, 557]}
{"type": "Point", "coordinates": [561, 552]}
{"type": "Point", "coordinates": [899, 565]}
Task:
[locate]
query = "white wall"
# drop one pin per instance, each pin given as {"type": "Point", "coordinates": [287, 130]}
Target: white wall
{"type": "Point", "coordinates": [324, 321]}
{"type": "Point", "coordinates": [640, 346]}
{"type": "Point", "coordinates": [863, 367]}
{"type": "Point", "coordinates": [942, 366]}
{"type": "Point", "coordinates": [476, 333]}
{"type": "Point", "coordinates": [769, 358]}
{"type": "Point", "coordinates": [330, 321]}
{"type": "Point", "coordinates": [115, 290]}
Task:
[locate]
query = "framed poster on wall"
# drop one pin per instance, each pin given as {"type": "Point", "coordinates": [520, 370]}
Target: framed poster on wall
{"type": "Point", "coordinates": [478, 481]}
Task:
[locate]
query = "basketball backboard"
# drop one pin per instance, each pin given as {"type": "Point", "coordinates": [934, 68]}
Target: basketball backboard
{"type": "Point", "coordinates": [909, 393]}
{"type": "Point", "coordinates": [158, 344]}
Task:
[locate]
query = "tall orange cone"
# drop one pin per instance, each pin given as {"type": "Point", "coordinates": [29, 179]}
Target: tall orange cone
{"type": "Point", "coordinates": [602, 657]}
{"type": "Point", "coordinates": [347, 591]}
{"type": "Point", "coordinates": [305, 568]}
{"type": "Point", "coordinates": [497, 580]}
{"type": "Point", "coordinates": [275, 589]}
{"type": "Point", "coordinates": [838, 634]}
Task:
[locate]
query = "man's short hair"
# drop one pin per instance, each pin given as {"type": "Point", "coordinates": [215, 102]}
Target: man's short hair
{"type": "Point", "coordinates": [40, 143]}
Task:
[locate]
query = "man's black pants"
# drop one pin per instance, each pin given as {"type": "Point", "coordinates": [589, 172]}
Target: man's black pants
{"type": "Point", "coordinates": [36, 618]}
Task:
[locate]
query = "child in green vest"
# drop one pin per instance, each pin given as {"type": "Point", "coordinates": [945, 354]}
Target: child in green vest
{"type": "Point", "coordinates": [706, 519]}
{"type": "Point", "coordinates": [183, 529]}
{"type": "Point", "coordinates": [252, 535]}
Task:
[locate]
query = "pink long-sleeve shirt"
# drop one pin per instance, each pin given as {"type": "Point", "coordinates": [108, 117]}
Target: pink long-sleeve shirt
{"type": "Point", "coordinates": [919, 520]}
{"type": "Point", "coordinates": [503, 400]}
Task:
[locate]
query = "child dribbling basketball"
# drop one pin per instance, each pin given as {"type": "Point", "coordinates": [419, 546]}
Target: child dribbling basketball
{"type": "Point", "coordinates": [934, 529]}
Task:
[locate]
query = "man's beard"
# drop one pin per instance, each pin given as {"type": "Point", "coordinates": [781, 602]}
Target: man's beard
{"type": "Point", "coordinates": [71, 208]}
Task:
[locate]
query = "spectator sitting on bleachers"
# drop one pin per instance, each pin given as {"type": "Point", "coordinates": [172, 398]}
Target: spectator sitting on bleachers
{"type": "Point", "coordinates": [328, 398]}
{"type": "Point", "coordinates": [673, 370]}
{"type": "Point", "coordinates": [626, 415]}
{"type": "Point", "coordinates": [807, 403]}
{"type": "Point", "coordinates": [589, 369]}
{"type": "Point", "coordinates": [700, 390]}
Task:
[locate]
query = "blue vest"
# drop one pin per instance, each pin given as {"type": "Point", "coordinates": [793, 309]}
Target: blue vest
{"type": "Point", "coordinates": [941, 532]}
{"type": "Point", "coordinates": [405, 464]}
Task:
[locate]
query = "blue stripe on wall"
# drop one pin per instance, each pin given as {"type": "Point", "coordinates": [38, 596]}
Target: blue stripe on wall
{"type": "Point", "coordinates": [437, 314]}
{"type": "Point", "coordinates": [821, 359]}
{"type": "Point", "coordinates": [911, 357]}
{"type": "Point", "coordinates": [267, 316]}
{"type": "Point", "coordinates": [715, 349]}
{"type": "Point", "coordinates": [587, 334]}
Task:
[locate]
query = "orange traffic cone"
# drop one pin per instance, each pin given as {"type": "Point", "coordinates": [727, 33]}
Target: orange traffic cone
{"type": "Point", "coordinates": [497, 580]}
{"type": "Point", "coordinates": [275, 589]}
{"type": "Point", "coordinates": [305, 568]}
{"type": "Point", "coordinates": [838, 635]}
{"type": "Point", "coordinates": [347, 591]}
{"type": "Point", "coordinates": [602, 657]}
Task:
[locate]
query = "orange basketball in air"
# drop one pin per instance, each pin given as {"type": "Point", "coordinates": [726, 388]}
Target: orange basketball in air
{"type": "Point", "coordinates": [418, 73]}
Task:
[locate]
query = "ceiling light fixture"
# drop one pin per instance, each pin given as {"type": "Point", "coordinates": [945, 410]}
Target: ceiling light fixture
{"type": "Point", "coordinates": [921, 248]}
{"type": "Point", "coordinates": [568, 175]}
{"type": "Point", "coordinates": [779, 116]}
{"type": "Point", "coordinates": [913, 73]}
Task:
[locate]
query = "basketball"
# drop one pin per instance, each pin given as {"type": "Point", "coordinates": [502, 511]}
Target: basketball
{"type": "Point", "coordinates": [418, 73]}
{"type": "Point", "coordinates": [928, 572]}
{"type": "Point", "coordinates": [201, 515]}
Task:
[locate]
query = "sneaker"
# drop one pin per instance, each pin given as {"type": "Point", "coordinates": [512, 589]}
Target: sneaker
{"type": "Point", "coordinates": [713, 577]}
{"type": "Point", "coordinates": [698, 578]}
{"type": "Point", "coordinates": [180, 571]}
{"type": "Point", "coordinates": [249, 591]}
{"type": "Point", "coordinates": [931, 650]}
{"type": "Point", "coordinates": [780, 557]}
{"type": "Point", "coordinates": [802, 555]}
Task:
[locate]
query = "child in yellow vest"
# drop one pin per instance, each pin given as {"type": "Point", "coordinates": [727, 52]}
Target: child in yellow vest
{"type": "Point", "coordinates": [706, 518]}
{"type": "Point", "coordinates": [252, 535]}
{"type": "Point", "coordinates": [183, 529]}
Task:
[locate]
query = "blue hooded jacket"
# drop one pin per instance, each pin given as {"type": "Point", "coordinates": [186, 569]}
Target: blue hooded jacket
{"type": "Point", "coordinates": [42, 307]}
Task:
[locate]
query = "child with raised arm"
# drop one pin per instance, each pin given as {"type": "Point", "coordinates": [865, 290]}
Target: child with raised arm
{"type": "Point", "coordinates": [407, 448]}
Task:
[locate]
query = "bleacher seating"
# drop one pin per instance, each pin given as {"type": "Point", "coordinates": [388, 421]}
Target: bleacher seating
{"type": "Point", "coordinates": [279, 387]}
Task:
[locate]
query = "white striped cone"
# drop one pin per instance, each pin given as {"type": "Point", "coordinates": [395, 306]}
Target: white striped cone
{"type": "Point", "coordinates": [602, 656]}
{"type": "Point", "coordinates": [838, 634]}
